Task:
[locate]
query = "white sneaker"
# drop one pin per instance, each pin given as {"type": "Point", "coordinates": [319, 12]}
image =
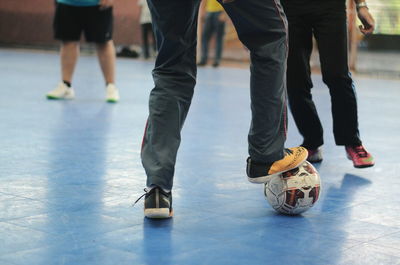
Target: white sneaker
{"type": "Point", "coordinates": [112, 94]}
{"type": "Point", "coordinates": [62, 91]}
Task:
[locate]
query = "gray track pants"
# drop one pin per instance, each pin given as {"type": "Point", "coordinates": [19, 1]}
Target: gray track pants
{"type": "Point", "coordinates": [262, 27]}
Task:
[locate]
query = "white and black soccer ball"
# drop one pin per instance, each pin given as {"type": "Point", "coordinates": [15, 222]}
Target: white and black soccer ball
{"type": "Point", "coordinates": [295, 191]}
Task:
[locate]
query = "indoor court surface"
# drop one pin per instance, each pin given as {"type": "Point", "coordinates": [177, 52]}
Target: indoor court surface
{"type": "Point", "coordinates": [70, 172]}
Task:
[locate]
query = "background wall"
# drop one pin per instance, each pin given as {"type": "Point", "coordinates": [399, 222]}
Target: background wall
{"type": "Point", "coordinates": [24, 22]}
{"type": "Point", "coordinates": [28, 23]}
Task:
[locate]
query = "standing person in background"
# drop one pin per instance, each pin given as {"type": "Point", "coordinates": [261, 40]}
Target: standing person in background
{"type": "Point", "coordinates": [147, 31]}
{"type": "Point", "coordinates": [327, 21]}
{"type": "Point", "coordinates": [95, 19]}
{"type": "Point", "coordinates": [214, 24]}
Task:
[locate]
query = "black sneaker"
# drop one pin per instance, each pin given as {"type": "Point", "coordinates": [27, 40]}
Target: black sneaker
{"type": "Point", "coordinates": [259, 172]}
{"type": "Point", "coordinates": [158, 204]}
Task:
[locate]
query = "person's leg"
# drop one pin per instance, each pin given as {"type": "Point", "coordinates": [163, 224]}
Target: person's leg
{"type": "Point", "coordinates": [206, 37]}
{"type": "Point", "coordinates": [145, 40]}
{"type": "Point", "coordinates": [175, 28]}
{"type": "Point", "coordinates": [106, 55]}
{"type": "Point", "coordinates": [331, 35]}
{"type": "Point", "coordinates": [261, 27]}
{"type": "Point", "coordinates": [98, 28]}
{"type": "Point", "coordinates": [67, 29]}
{"type": "Point", "coordinates": [69, 54]}
{"type": "Point", "coordinates": [153, 39]}
{"type": "Point", "coordinates": [299, 82]}
{"type": "Point", "coordinates": [219, 41]}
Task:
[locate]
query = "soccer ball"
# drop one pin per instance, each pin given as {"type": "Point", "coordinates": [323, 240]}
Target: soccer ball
{"type": "Point", "coordinates": [294, 191]}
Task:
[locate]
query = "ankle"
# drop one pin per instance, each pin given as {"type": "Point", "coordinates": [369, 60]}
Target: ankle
{"type": "Point", "coordinates": [67, 83]}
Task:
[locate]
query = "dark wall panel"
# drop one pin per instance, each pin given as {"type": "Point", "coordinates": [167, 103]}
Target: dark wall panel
{"type": "Point", "coordinates": [26, 22]}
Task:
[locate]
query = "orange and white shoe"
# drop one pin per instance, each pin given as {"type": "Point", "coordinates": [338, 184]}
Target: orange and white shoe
{"type": "Point", "coordinates": [261, 172]}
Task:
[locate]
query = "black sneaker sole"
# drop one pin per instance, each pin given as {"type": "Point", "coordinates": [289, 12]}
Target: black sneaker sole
{"type": "Point", "coordinates": [364, 166]}
{"type": "Point", "coordinates": [262, 179]}
{"type": "Point", "coordinates": [267, 178]}
{"type": "Point", "coordinates": [158, 213]}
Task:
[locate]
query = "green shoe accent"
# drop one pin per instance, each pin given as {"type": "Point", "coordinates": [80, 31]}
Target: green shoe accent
{"type": "Point", "coordinates": [52, 97]}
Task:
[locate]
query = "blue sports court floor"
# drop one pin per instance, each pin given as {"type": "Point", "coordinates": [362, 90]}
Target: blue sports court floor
{"type": "Point", "coordinates": [70, 171]}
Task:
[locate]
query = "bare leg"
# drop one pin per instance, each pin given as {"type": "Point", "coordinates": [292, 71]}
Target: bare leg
{"type": "Point", "coordinates": [106, 55]}
{"type": "Point", "coordinates": [69, 56]}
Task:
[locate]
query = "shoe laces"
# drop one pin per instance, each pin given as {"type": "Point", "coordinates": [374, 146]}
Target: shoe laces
{"type": "Point", "coordinates": [141, 196]}
{"type": "Point", "coordinates": [288, 151]}
{"type": "Point", "coordinates": [360, 151]}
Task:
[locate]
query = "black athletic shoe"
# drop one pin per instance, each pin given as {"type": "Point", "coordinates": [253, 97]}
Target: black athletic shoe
{"type": "Point", "coordinates": [259, 172]}
{"type": "Point", "coordinates": [158, 204]}
{"type": "Point", "coordinates": [127, 52]}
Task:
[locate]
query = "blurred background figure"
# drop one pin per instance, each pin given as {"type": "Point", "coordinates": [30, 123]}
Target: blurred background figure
{"type": "Point", "coordinates": [214, 23]}
{"type": "Point", "coordinates": [147, 30]}
{"type": "Point", "coordinates": [95, 19]}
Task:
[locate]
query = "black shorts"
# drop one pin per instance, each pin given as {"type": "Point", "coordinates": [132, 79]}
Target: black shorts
{"type": "Point", "coordinates": [70, 21]}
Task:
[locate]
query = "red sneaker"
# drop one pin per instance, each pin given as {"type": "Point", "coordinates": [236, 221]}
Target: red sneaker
{"type": "Point", "coordinates": [360, 156]}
